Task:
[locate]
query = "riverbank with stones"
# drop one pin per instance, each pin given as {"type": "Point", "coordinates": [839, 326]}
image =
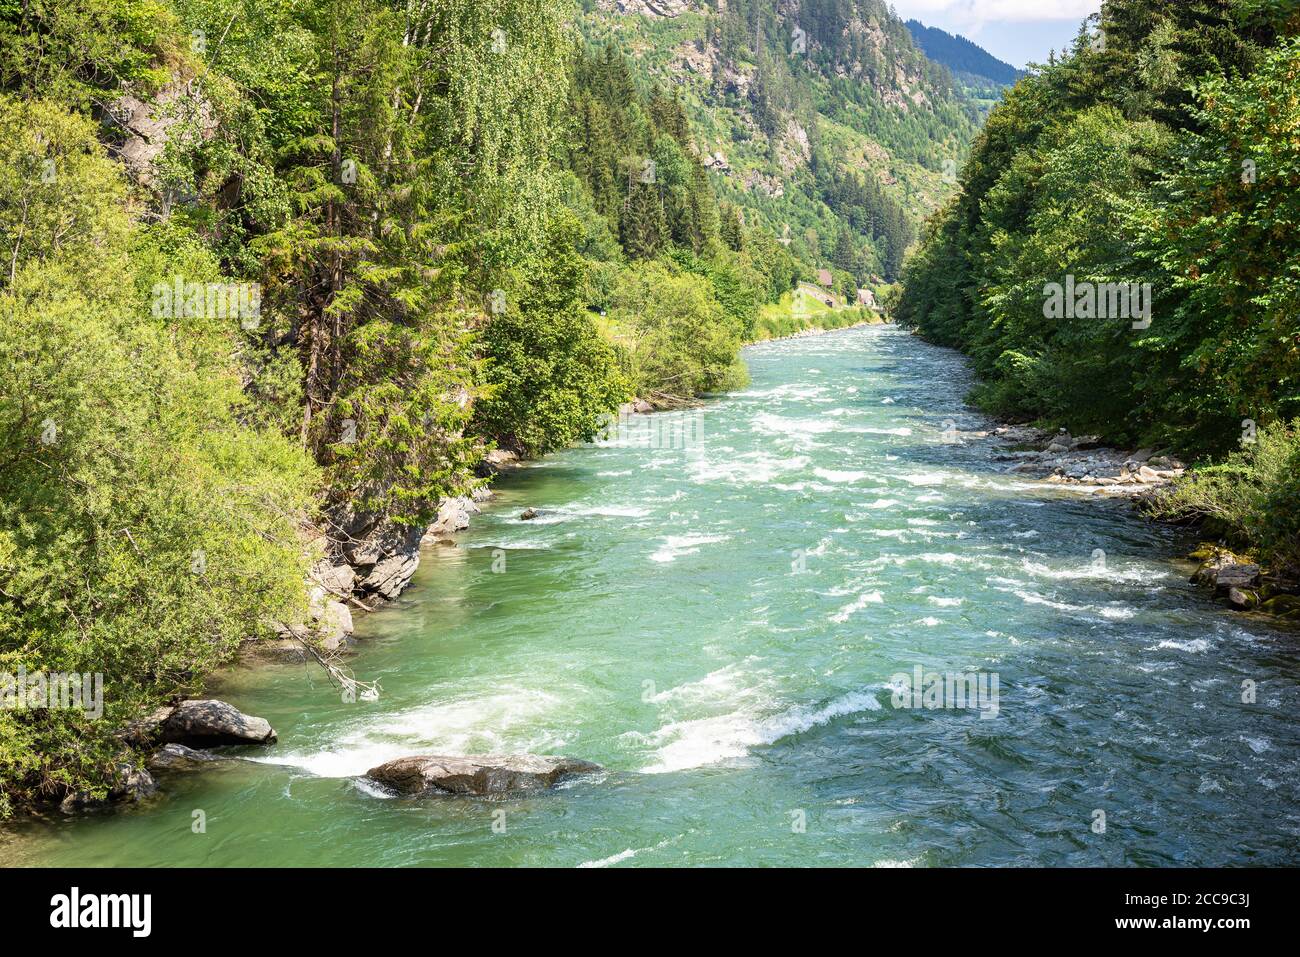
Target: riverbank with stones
{"type": "Point", "coordinates": [1083, 463]}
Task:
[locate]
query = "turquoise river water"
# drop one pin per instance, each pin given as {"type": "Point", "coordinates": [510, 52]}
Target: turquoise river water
{"type": "Point", "coordinates": [723, 627]}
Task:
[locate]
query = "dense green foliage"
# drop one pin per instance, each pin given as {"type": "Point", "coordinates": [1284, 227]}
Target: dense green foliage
{"type": "Point", "coordinates": [1162, 152]}
{"type": "Point", "coordinates": [146, 527]}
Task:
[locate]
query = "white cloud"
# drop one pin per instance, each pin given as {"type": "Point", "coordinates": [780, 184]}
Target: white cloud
{"type": "Point", "coordinates": [983, 11]}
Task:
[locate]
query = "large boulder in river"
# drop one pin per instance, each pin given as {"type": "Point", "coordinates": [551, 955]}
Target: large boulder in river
{"type": "Point", "coordinates": [147, 730]}
{"type": "Point", "coordinates": [210, 722]}
{"type": "Point", "coordinates": [476, 774]}
{"type": "Point", "coordinates": [454, 515]}
{"type": "Point", "coordinates": [338, 578]}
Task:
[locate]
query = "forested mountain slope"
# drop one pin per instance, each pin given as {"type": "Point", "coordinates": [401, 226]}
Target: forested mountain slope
{"type": "Point", "coordinates": [819, 119]}
{"type": "Point", "coordinates": [968, 61]}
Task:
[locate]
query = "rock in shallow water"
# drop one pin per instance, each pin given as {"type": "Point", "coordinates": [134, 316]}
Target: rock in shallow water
{"type": "Point", "coordinates": [476, 774]}
{"type": "Point", "coordinates": [211, 722]}
{"type": "Point", "coordinates": [177, 757]}
{"type": "Point", "coordinates": [132, 784]}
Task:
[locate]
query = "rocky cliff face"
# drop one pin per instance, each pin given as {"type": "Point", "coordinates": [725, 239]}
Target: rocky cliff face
{"type": "Point", "coordinates": [649, 8]}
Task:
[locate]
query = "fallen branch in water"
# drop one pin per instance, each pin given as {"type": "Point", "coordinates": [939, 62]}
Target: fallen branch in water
{"type": "Point", "coordinates": [351, 687]}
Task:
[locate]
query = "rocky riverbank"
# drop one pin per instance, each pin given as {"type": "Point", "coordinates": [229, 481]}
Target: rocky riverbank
{"type": "Point", "coordinates": [1059, 458]}
{"type": "Point", "coordinates": [1064, 459]}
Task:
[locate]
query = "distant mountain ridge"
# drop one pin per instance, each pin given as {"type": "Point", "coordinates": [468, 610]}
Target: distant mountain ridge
{"type": "Point", "coordinates": [820, 121]}
{"type": "Point", "coordinates": [961, 55]}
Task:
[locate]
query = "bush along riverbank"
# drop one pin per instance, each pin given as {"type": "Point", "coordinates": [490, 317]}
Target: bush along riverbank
{"type": "Point", "coordinates": [1249, 505]}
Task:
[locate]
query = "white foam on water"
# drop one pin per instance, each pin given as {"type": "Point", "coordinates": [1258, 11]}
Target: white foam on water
{"type": "Point", "coordinates": [1194, 646]}
{"type": "Point", "coordinates": [524, 544]}
{"type": "Point", "coordinates": [503, 721]}
{"type": "Point", "coordinates": [1030, 598]}
{"type": "Point", "coordinates": [804, 487]}
{"type": "Point", "coordinates": [675, 546]}
{"type": "Point", "coordinates": [926, 478]}
{"type": "Point", "coordinates": [726, 683]}
{"type": "Point", "coordinates": [612, 859]}
{"type": "Point", "coordinates": [822, 545]}
{"type": "Point", "coordinates": [1093, 570]}
{"type": "Point", "coordinates": [832, 475]}
{"type": "Point", "coordinates": [1117, 612]}
{"type": "Point", "coordinates": [728, 738]}
{"type": "Point", "coordinates": [792, 428]}
{"type": "Point", "coordinates": [1258, 745]}
{"type": "Point", "coordinates": [946, 602]}
{"type": "Point", "coordinates": [627, 854]}
{"type": "Point", "coordinates": [1111, 612]}
{"type": "Point", "coordinates": [548, 517]}
{"type": "Point", "coordinates": [754, 467]}
{"type": "Point", "coordinates": [862, 601]}
{"type": "Point", "coordinates": [942, 558]}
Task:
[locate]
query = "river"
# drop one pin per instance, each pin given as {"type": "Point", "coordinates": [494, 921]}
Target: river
{"type": "Point", "coordinates": [723, 626]}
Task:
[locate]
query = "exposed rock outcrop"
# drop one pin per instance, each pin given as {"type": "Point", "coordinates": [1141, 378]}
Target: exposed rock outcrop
{"type": "Point", "coordinates": [1234, 580]}
{"type": "Point", "coordinates": [454, 515]}
{"type": "Point", "coordinates": [147, 126]}
{"type": "Point", "coordinates": [495, 462]}
{"type": "Point", "coordinates": [338, 578]}
{"type": "Point", "coordinates": [650, 8]}
{"type": "Point", "coordinates": [1224, 572]}
{"type": "Point", "coordinates": [384, 554]}
{"type": "Point", "coordinates": [716, 162]}
{"type": "Point", "coordinates": [476, 774]}
{"type": "Point", "coordinates": [147, 731]}
{"type": "Point", "coordinates": [769, 185]}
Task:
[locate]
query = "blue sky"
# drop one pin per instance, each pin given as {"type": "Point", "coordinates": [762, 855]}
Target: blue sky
{"type": "Point", "coordinates": [1016, 31]}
